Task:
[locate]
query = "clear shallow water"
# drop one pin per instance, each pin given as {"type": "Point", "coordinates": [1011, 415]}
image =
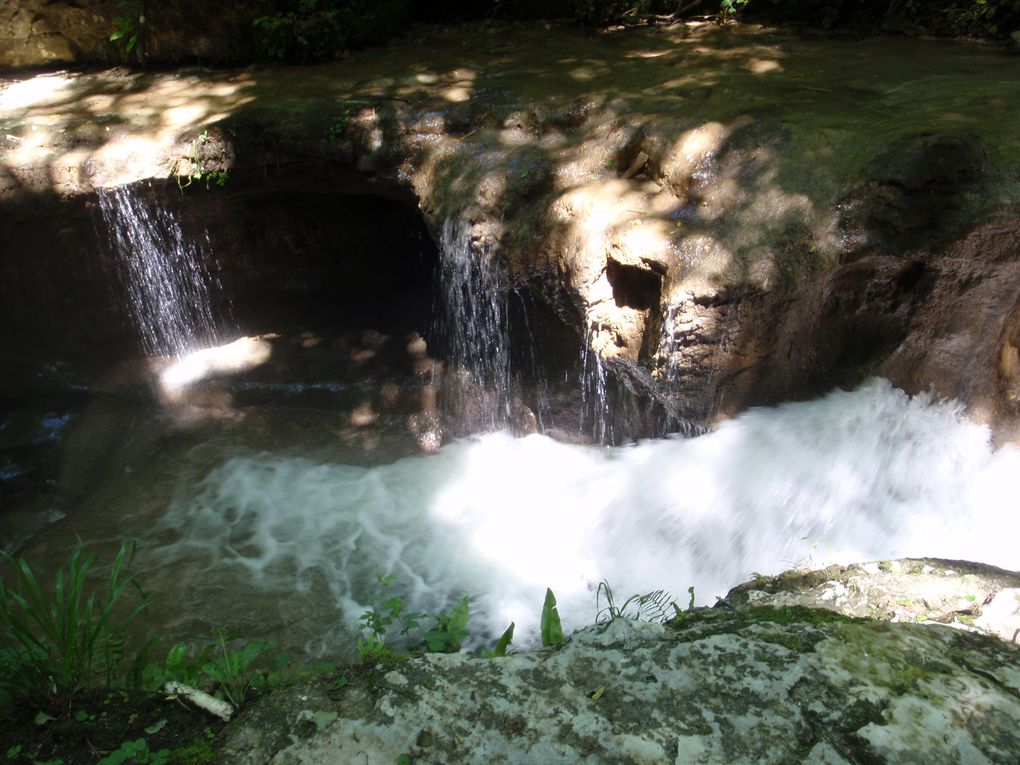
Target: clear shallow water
{"type": "Point", "coordinates": [290, 546]}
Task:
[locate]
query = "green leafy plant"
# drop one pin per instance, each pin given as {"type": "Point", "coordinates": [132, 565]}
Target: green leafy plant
{"type": "Point", "coordinates": [552, 630]}
{"type": "Point", "coordinates": [378, 619]}
{"type": "Point", "coordinates": [182, 665]}
{"type": "Point", "coordinates": [229, 666]}
{"type": "Point", "coordinates": [233, 667]}
{"type": "Point", "coordinates": [129, 26]}
{"type": "Point", "coordinates": [136, 751]}
{"type": "Point", "coordinates": [196, 166]}
{"type": "Point", "coordinates": [502, 644]}
{"type": "Point", "coordinates": [55, 644]}
{"type": "Point", "coordinates": [314, 30]}
{"type": "Point", "coordinates": [728, 8]}
{"type": "Point", "coordinates": [449, 630]}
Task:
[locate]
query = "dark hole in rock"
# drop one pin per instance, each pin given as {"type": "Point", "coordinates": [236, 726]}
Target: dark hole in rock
{"type": "Point", "coordinates": [329, 259]}
{"type": "Point", "coordinates": [633, 286]}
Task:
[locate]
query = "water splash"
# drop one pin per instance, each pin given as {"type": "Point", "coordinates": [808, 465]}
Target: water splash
{"type": "Point", "coordinates": [164, 273]}
{"type": "Point", "coordinates": [474, 320]}
{"type": "Point", "coordinates": [855, 476]}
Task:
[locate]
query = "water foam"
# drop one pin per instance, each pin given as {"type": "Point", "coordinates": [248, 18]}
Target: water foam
{"type": "Point", "coordinates": [853, 476]}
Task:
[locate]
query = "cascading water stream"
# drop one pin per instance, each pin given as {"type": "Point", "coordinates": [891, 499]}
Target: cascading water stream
{"type": "Point", "coordinates": [164, 273]}
{"type": "Point", "coordinates": [596, 406]}
{"type": "Point", "coordinates": [473, 318]}
{"type": "Point", "coordinates": [853, 476]}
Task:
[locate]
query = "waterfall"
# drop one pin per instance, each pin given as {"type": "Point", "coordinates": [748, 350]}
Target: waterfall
{"type": "Point", "coordinates": [859, 475]}
{"type": "Point", "coordinates": [473, 318]}
{"type": "Point", "coordinates": [164, 273]}
{"type": "Point", "coordinates": [596, 407]}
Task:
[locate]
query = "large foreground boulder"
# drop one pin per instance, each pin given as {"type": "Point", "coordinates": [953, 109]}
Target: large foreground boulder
{"type": "Point", "coordinates": [737, 683]}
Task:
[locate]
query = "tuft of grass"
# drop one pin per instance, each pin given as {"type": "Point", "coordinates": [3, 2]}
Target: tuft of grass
{"type": "Point", "coordinates": [55, 644]}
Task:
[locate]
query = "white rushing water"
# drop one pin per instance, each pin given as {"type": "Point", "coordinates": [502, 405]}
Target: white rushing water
{"type": "Point", "coordinates": [853, 476]}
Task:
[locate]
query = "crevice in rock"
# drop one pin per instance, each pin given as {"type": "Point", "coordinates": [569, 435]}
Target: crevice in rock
{"type": "Point", "coordinates": [634, 286]}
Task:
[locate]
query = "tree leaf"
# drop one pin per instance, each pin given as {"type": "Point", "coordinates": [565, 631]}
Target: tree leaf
{"type": "Point", "coordinates": [156, 727]}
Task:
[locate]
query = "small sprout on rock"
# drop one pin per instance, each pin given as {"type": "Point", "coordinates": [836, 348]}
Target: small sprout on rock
{"type": "Point", "coordinates": [552, 630]}
{"type": "Point", "coordinates": [323, 720]}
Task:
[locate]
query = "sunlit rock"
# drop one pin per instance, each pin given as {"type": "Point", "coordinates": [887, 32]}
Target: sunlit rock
{"type": "Point", "coordinates": [761, 684]}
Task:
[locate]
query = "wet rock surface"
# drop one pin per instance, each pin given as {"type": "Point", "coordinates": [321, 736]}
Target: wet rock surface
{"type": "Point", "coordinates": [726, 217]}
{"type": "Point", "coordinates": [777, 677]}
{"type": "Point", "coordinates": [968, 596]}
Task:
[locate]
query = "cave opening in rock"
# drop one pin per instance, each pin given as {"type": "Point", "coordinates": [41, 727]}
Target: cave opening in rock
{"type": "Point", "coordinates": [314, 261]}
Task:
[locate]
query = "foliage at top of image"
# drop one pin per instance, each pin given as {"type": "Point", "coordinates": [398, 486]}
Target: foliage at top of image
{"type": "Point", "coordinates": [953, 18]}
{"type": "Point", "coordinates": [309, 31]}
{"type": "Point", "coordinates": [305, 31]}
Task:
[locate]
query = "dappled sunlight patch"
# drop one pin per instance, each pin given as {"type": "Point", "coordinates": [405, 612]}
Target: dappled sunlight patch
{"type": "Point", "coordinates": [460, 85]}
{"type": "Point", "coordinates": [35, 92]}
{"type": "Point", "coordinates": [693, 150]}
{"type": "Point", "coordinates": [234, 358]}
{"type": "Point", "coordinates": [763, 66]}
{"type": "Point", "coordinates": [651, 54]}
{"type": "Point", "coordinates": [108, 129]}
{"type": "Point", "coordinates": [644, 241]}
{"type": "Point", "coordinates": [700, 261]}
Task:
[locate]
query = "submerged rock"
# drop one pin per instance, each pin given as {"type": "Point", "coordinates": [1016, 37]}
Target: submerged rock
{"type": "Point", "coordinates": [738, 683]}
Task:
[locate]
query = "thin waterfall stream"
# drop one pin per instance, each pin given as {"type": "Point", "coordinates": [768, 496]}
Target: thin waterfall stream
{"type": "Point", "coordinates": [473, 316]}
{"type": "Point", "coordinates": [165, 274]}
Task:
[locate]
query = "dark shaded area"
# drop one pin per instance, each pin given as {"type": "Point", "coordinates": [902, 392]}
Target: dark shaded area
{"type": "Point", "coordinates": [286, 259]}
{"type": "Point", "coordinates": [953, 18]}
{"type": "Point", "coordinates": [633, 286]}
{"type": "Point", "coordinates": [174, 32]}
{"type": "Point", "coordinates": [101, 721]}
{"type": "Point", "coordinates": [921, 190]}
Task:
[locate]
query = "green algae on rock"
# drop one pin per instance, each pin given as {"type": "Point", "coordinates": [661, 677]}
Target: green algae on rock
{"type": "Point", "coordinates": [760, 685]}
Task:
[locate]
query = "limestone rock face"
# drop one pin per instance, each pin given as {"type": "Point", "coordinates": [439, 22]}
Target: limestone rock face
{"type": "Point", "coordinates": [36, 33]}
{"type": "Point", "coordinates": [738, 683]}
{"type": "Point", "coordinates": [967, 596]}
{"type": "Point", "coordinates": [699, 207]}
